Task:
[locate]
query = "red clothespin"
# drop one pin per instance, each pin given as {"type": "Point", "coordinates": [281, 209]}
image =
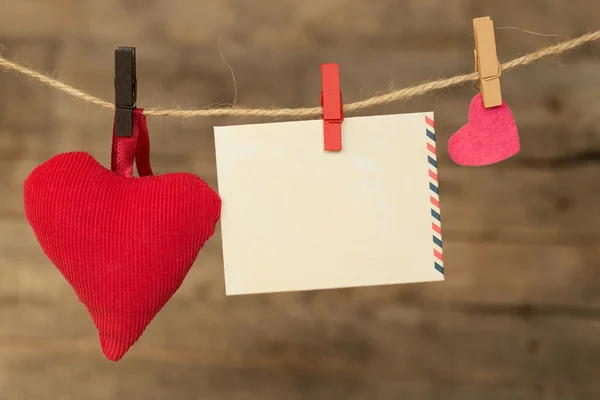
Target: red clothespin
{"type": "Point", "coordinates": [331, 101]}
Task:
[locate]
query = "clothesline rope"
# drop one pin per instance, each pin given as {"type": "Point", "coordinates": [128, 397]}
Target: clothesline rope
{"type": "Point", "coordinates": [396, 95]}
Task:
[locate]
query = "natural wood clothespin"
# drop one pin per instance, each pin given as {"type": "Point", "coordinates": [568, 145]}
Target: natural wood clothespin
{"type": "Point", "coordinates": [486, 62]}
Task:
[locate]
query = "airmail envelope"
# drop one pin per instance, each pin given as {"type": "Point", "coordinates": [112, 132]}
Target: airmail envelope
{"type": "Point", "coordinates": [296, 217]}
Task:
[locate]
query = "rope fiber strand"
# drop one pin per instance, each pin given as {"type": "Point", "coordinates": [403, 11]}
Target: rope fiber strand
{"type": "Point", "coordinates": [402, 94]}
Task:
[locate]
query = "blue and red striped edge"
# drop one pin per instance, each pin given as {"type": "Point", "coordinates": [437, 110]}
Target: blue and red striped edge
{"type": "Point", "coordinates": [434, 197]}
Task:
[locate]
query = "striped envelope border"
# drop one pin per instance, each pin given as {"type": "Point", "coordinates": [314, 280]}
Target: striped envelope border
{"type": "Point", "coordinates": [434, 197]}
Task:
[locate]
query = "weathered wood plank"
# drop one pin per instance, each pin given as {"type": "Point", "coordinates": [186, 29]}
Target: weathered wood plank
{"type": "Point", "coordinates": [318, 22]}
{"type": "Point", "coordinates": [36, 20]}
{"type": "Point", "coordinates": [531, 204]}
{"type": "Point", "coordinates": [390, 343]}
{"type": "Point", "coordinates": [568, 18]}
{"type": "Point", "coordinates": [290, 25]}
{"type": "Point", "coordinates": [394, 340]}
{"type": "Point", "coordinates": [26, 106]}
{"type": "Point", "coordinates": [148, 380]}
{"type": "Point", "coordinates": [274, 24]}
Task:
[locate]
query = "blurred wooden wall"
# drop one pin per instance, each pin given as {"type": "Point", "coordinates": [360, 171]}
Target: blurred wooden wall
{"type": "Point", "coordinates": [519, 314]}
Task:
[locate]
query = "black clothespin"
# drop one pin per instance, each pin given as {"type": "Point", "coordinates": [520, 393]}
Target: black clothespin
{"type": "Point", "coordinates": [125, 90]}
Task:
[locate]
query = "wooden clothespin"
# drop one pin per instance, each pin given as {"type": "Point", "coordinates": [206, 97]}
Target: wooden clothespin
{"type": "Point", "coordinates": [486, 62]}
{"type": "Point", "coordinates": [333, 112]}
{"type": "Point", "coordinates": [125, 90]}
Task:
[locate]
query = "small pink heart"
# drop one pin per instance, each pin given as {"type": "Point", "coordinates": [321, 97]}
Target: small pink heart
{"type": "Point", "coordinates": [489, 137]}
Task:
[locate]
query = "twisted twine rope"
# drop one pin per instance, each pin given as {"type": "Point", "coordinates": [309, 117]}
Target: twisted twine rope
{"type": "Point", "coordinates": [402, 94]}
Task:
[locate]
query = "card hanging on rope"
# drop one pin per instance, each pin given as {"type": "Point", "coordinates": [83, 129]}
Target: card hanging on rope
{"type": "Point", "coordinates": [490, 135]}
{"type": "Point", "coordinates": [124, 243]}
{"type": "Point", "coordinates": [299, 216]}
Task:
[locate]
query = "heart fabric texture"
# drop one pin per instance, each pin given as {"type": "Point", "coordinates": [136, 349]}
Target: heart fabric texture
{"type": "Point", "coordinates": [124, 243]}
{"type": "Point", "coordinates": [490, 136]}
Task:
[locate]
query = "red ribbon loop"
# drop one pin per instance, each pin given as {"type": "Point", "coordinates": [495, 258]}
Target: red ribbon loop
{"type": "Point", "coordinates": [137, 146]}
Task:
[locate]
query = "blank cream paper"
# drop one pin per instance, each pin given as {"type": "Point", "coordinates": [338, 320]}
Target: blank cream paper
{"type": "Point", "coordinates": [295, 217]}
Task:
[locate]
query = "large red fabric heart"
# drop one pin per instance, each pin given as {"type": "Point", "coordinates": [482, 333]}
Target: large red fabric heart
{"type": "Point", "coordinates": [125, 244]}
{"type": "Point", "coordinates": [490, 136]}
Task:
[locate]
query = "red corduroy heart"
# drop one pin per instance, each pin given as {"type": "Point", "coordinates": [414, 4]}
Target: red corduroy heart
{"type": "Point", "coordinates": [489, 137]}
{"type": "Point", "coordinates": [125, 244]}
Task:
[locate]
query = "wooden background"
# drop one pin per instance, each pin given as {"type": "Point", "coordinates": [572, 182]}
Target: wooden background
{"type": "Point", "coordinates": [519, 314]}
